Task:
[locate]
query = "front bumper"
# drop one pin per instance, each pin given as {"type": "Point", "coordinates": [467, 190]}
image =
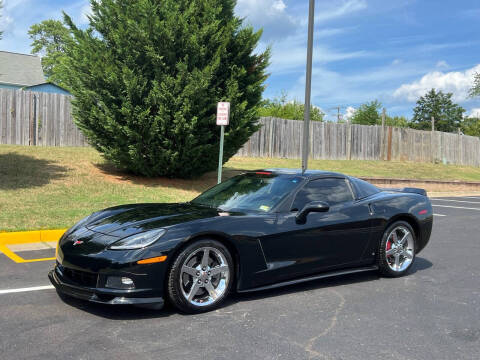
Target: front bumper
{"type": "Point", "coordinates": [103, 295]}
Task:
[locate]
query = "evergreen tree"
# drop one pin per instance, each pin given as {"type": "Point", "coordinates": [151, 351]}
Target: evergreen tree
{"type": "Point", "coordinates": [147, 76]}
{"type": "Point", "coordinates": [448, 115]}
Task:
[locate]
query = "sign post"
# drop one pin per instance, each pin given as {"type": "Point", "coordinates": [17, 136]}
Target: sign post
{"type": "Point", "coordinates": [223, 119]}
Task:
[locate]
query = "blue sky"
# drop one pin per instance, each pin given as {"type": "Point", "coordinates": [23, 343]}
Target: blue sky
{"type": "Point", "coordinates": [390, 50]}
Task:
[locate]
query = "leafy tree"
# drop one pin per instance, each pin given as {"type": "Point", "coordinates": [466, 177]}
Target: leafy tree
{"type": "Point", "coordinates": [50, 39]}
{"type": "Point", "coordinates": [280, 107]}
{"type": "Point", "coordinates": [147, 76]}
{"type": "Point", "coordinates": [475, 90]}
{"type": "Point", "coordinates": [368, 114]}
{"type": "Point", "coordinates": [471, 126]}
{"type": "Point", "coordinates": [448, 115]}
{"type": "Point", "coordinates": [397, 121]}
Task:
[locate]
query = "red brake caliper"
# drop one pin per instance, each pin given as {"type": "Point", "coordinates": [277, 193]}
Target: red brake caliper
{"type": "Point", "coordinates": [389, 244]}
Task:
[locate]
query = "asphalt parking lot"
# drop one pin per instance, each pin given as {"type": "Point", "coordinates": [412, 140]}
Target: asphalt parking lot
{"type": "Point", "coordinates": [433, 313]}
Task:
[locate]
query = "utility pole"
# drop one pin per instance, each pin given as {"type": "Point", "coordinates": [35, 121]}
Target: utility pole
{"type": "Point", "coordinates": [433, 123]}
{"type": "Point", "coordinates": [384, 116]}
{"type": "Point", "coordinates": [308, 87]}
{"type": "Point", "coordinates": [338, 114]}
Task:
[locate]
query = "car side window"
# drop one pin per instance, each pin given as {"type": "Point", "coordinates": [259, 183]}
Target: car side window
{"type": "Point", "coordinates": [330, 190]}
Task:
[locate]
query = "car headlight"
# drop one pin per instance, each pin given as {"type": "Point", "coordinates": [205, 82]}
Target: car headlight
{"type": "Point", "coordinates": [138, 241]}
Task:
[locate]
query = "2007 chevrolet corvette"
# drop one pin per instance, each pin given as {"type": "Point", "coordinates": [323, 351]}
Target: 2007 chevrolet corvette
{"type": "Point", "coordinates": [259, 230]}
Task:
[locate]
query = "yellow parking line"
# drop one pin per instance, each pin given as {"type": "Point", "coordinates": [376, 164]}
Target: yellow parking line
{"type": "Point", "coordinates": [26, 237]}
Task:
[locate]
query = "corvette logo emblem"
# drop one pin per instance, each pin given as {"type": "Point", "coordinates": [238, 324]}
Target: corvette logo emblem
{"type": "Point", "coordinates": [77, 242]}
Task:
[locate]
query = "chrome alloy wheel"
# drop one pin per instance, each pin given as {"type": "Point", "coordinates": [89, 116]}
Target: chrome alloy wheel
{"type": "Point", "coordinates": [204, 276]}
{"type": "Point", "coordinates": [399, 250]}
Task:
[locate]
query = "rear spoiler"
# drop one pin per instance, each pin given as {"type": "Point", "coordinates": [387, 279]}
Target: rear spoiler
{"type": "Point", "coordinates": [409, 190]}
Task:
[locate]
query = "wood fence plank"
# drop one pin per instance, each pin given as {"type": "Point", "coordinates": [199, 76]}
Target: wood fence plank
{"type": "Point", "coordinates": [27, 118]}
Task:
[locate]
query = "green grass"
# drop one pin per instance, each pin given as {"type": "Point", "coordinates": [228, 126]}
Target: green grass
{"type": "Point", "coordinates": [49, 188]}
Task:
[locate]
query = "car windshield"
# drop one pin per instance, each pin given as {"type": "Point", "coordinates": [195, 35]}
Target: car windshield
{"type": "Point", "coordinates": [260, 191]}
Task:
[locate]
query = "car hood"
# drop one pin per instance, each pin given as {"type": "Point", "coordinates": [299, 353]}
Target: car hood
{"type": "Point", "coordinates": [127, 220]}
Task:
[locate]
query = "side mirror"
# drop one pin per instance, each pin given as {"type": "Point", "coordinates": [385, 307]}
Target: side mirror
{"type": "Point", "coordinates": [314, 206]}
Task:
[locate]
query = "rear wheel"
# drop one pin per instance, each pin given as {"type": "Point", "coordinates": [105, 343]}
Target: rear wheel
{"type": "Point", "coordinates": [200, 277]}
{"type": "Point", "coordinates": [397, 249]}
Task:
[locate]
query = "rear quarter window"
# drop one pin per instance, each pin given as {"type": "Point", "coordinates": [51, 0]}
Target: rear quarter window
{"type": "Point", "coordinates": [364, 189]}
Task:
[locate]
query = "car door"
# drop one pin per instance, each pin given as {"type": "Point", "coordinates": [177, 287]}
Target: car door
{"type": "Point", "coordinates": [333, 239]}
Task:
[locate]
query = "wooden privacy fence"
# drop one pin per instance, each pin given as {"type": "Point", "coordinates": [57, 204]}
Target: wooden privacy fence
{"type": "Point", "coordinates": [282, 138]}
{"type": "Point", "coordinates": [31, 118]}
{"type": "Point", "coordinates": [42, 119]}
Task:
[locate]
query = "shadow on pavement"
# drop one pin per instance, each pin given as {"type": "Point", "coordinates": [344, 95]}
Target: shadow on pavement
{"type": "Point", "coordinates": [419, 265]}
{"type": "Point", "coordinates": [135, 313]}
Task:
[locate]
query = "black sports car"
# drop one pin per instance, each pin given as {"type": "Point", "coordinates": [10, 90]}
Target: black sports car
{"type": "Point", "coordinates": [259, 230]}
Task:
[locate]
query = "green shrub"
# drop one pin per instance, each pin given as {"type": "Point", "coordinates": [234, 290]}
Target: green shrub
{"type": "Point", "coordinates": [147, 76]}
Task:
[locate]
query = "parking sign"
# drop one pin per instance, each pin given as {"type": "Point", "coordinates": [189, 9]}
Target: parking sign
{"type": "Point", "coordinates": [223, 113]}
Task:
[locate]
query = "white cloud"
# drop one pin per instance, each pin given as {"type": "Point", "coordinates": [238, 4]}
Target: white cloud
{"type": "Point", "coordinates": [442, 64]}
{"type": "Point", "coordinates": [349, 112]}
{"type": "Point", "coordinates": [271, 15]}
{"type": "Point", "coordinates": [336, 9]}
{"type": "Point", "coordinates": [475, 113]}
{"type": "Point", "coordinates": [327, 32]}
{"type": "Point", "coordinates": [456, 82]}
{"type": "Point", "coordinates": [335, 88]}
{"type": "Point", "coordinates": [7, 22]}
{"type": "Point", "coordinates": [19, 15]}
{"type": "Point", "coordinates": [85, 11]}
{"type": "Point", "coordinates": [290, 56]}
{"type": "Point", "coordinates": [279, 5]}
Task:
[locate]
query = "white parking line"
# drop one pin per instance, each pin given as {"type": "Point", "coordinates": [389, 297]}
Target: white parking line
{"type": "Point", "coordinates": [35, 288]}
{"type": "Point", "coordinates": [439, 215]}
{"type": "Point", "coordinates": [456, 207]}
{"type": "Point", "coordinates": [459, 201]}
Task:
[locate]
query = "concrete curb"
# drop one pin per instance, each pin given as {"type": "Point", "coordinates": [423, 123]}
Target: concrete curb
{"type": "Point", "coordinates": [25, 237]}
{"type": "Point", "coordinates": [22, 237]}
{"type": "Point", "coordinates": [475, 184]}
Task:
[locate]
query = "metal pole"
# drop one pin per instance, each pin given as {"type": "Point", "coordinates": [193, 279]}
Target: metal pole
{"type": "Point", "coordinates": [384, 115]}
{"type": "Point", "coordinates": [308, 87]}
{"type": "Point", "coordinates": [220, 155]}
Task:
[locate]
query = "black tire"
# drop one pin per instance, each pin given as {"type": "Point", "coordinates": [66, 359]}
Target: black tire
{"type": "Point", "coordinates": [385, 263]}
{"type": "Point", "coordinates": [176, 290]}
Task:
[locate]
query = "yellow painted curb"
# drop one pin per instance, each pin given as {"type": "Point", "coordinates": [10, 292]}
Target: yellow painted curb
{"type": "Point", "coordinates": [25, 237]}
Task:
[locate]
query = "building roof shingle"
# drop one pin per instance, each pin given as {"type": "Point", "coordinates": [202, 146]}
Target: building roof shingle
{"type": "Point", "coordinates": [20, 69]}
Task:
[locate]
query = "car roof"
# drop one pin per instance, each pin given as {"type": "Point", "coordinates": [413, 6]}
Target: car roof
{"type": "Point", "coordinates": [299, 172]}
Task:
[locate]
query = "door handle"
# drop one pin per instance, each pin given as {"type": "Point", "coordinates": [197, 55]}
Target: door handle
{"type": "Point", "coordinates": [370, 209]}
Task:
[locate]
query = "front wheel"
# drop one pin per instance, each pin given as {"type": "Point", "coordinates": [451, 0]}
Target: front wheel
{"type": "Point", "coordinates": [200, 277]}
{"type": "Point", "coordinates": [397, 249]}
